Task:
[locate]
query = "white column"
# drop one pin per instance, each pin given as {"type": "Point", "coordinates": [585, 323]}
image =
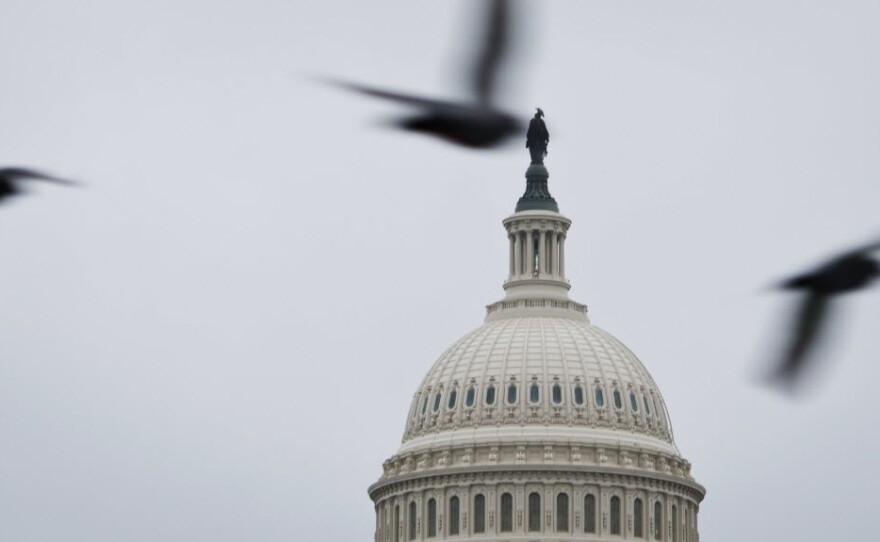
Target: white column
{"type": "Point", "coordinates": [517, 253]}
{"type": "Point", "coordinates": [512, 269]}
{"type": "Point", "coordinates": [542, 253]}
{"type": "Point", "coordinates": [562, 256]}
{"type": "Point", "coordinates": [530, 254]}
{"type": "Point", "coordinates": [554, 253]}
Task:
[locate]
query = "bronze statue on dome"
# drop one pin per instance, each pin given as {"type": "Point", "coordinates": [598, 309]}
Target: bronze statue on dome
{"type": "Point", "coordinates": [537, 137]}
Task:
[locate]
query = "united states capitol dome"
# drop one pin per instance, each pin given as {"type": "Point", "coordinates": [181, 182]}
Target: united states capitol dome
{"type": "Point", "coordinates": [537, 425]}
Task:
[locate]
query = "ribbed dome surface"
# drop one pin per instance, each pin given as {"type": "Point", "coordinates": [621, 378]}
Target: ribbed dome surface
{"type": "Point", "coordinates": [545, 371]}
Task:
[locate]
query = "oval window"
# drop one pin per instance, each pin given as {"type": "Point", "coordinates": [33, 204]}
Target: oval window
{"type": "Point", "coordinates": [578, 395]}
{"type": "Point", "coordinates": [534, 393]}
{"type": "Point", "coordinates": [490, 395]}
{"type": "Point", "coordinates": [600, 397]}
{"type": "Point", "coordinates": [633, 402]}
{"type": "Point", "coordinates": [424, 405]}
{"type": "Point", "coordinates": [556, 394]}
{"type": "Point", "coordinates": [437, 402]}
{"type": "Point", "coordinates": [647, 408]}
{"type": "Point", "coordinates": [511, 394]}
{"type": "Point", "coordinates": [470, 396]}
{"type": "Point", "coordinates": [618, 401]}
{"type": "Point", "coordinates": [453, 395]}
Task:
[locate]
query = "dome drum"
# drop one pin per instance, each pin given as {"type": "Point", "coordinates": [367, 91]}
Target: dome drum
{"type": "Point", "coordinates": [536, 505]}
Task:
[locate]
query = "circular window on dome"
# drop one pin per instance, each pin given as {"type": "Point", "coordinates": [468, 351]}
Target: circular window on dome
{"type": "Point", "coordinates": [633, 402]}
{"type": "Point", "coordinates": [470, 397]}
{"type": "Point", "coordinates": [511, 394]}
{"type": "Point", "coordinates": [647, 407]}
{"type": "Point", "coordinates": [579, 395]}
{"type": "Point", "coordinates": [490, 395]}
{"type": "Point", "coordinates": [618, 400]}
{"type": "Point", "coordinates": [453, 395]}
{"type": "Point", "coordinates": [556, 394]}
{"type": "Point", "coordinates": [437, 401]}
{"type": "Point", "coordinates": [599, 395]}
{"type": "Point", "coordinates": [534, 393]}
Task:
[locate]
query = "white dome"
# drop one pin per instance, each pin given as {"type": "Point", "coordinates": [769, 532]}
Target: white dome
{"type": "Point", "coordinates": [545, 372]}
{"type": "Point", "coordinates": [537, 425]}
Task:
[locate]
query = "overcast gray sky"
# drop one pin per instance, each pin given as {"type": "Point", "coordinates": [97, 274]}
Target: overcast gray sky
{"type": "Point", "coordinates": [219, 338]}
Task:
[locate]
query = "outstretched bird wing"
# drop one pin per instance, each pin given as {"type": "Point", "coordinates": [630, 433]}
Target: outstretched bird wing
{"type": "Point", "coordinates": [437, 106]}
{"type": "Point", "coordinates": [494, 47]}
{"type": "Point", "coordinates": [809, 323]}
{"type": "Point", "coordinates": [11, 174]}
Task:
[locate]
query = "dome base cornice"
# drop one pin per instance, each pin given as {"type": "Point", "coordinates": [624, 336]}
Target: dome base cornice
{"type": "Point", "coordinates": [546, 474]}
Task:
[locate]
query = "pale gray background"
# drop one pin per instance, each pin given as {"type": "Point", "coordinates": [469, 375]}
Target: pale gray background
{"type": "Point", "coordinates": [219, 338]}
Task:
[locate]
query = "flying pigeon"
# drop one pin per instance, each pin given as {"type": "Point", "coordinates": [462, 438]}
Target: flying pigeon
{"type": "Point", "coordinates": [476, 123]}
{"type": "Point", "coordinates": [848, 272]}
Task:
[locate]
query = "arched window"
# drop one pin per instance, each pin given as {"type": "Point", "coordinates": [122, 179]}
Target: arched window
{"type": "Point", "coordinates": [590, 513]}
{"type": "Point", "coordinates": [534, 512]}
{"type": "Point", "coordinates": [511, 394]}
{"type": "Point", "coordinates": [658, 521]}
{"type": "Point", "coordinates": [556, 394]}
{"type": "Point", "coordinates": [578, 395]}
{"type": "Point", "coordinates": [479, 514]}
{"type": "Point", "coordinates": [674, 519]}
{"type": "Point", "coordinates": [437, 401]}
{"type": "Point", "coordinates": [453, 396]}
{"type": "Point", "coordinates": [615, 515]}
{"type": "Point", "coordinates": [506, 513]}
{"type": "Point", "coordinates": [534, 393]}
{"type": "Point", "coordinates": [490, 395]}
{"type": "Point", "coordinates": [453, 515]}
{"type": "Point", "coordinates": [470, 397]}
{"type": "Point", "coordinates": [638, 519]}
{"type": "Point", "coordinates": [618, 401]}
{"type": "Point", "coordinates": [647, 408]}
{"type": "Point", "coordinates": [396, 528]}
{"type": "Point", "coordinates": [424, 405]}
{"type": "Point", "coordinates": [432, 518]}
{"type": "Point", "coordinates": [633, 402]}
{"type": "Point", "coordinates": [412, 520]}
{"type": "Point", "coordinates": [600, 397]}
{"type": "Point", "coordinates": [562, 513]}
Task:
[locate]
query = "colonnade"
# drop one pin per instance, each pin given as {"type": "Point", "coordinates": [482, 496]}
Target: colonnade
{"type": "Point", "coordinates": [537, 253]}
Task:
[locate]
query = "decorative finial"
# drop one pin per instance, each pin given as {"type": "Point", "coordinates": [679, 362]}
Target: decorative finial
{"type": "Point", "coordinates": [537, 137]}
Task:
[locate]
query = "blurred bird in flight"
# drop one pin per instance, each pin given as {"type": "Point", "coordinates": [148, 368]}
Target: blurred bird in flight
{"type": "Point", "coordinates": [848, 272]}
{"type": "Point", "coordinates": [11, 179]}
{"type": "Point", "coordinates": [478, 123]}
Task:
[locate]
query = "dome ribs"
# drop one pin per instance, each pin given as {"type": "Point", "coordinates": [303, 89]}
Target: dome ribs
{"type": "Point", "coordinates": [567, 380]}
{"type": "Point", "coordinates": [545, 350]}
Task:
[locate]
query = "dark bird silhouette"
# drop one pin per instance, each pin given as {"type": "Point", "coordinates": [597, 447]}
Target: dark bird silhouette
{"type": "Point", "coordinates": [845, 273]}
{"type": "Point", "coordinates": [11, 179]}
{"type": "Point", "coordinates": [477, 123]}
